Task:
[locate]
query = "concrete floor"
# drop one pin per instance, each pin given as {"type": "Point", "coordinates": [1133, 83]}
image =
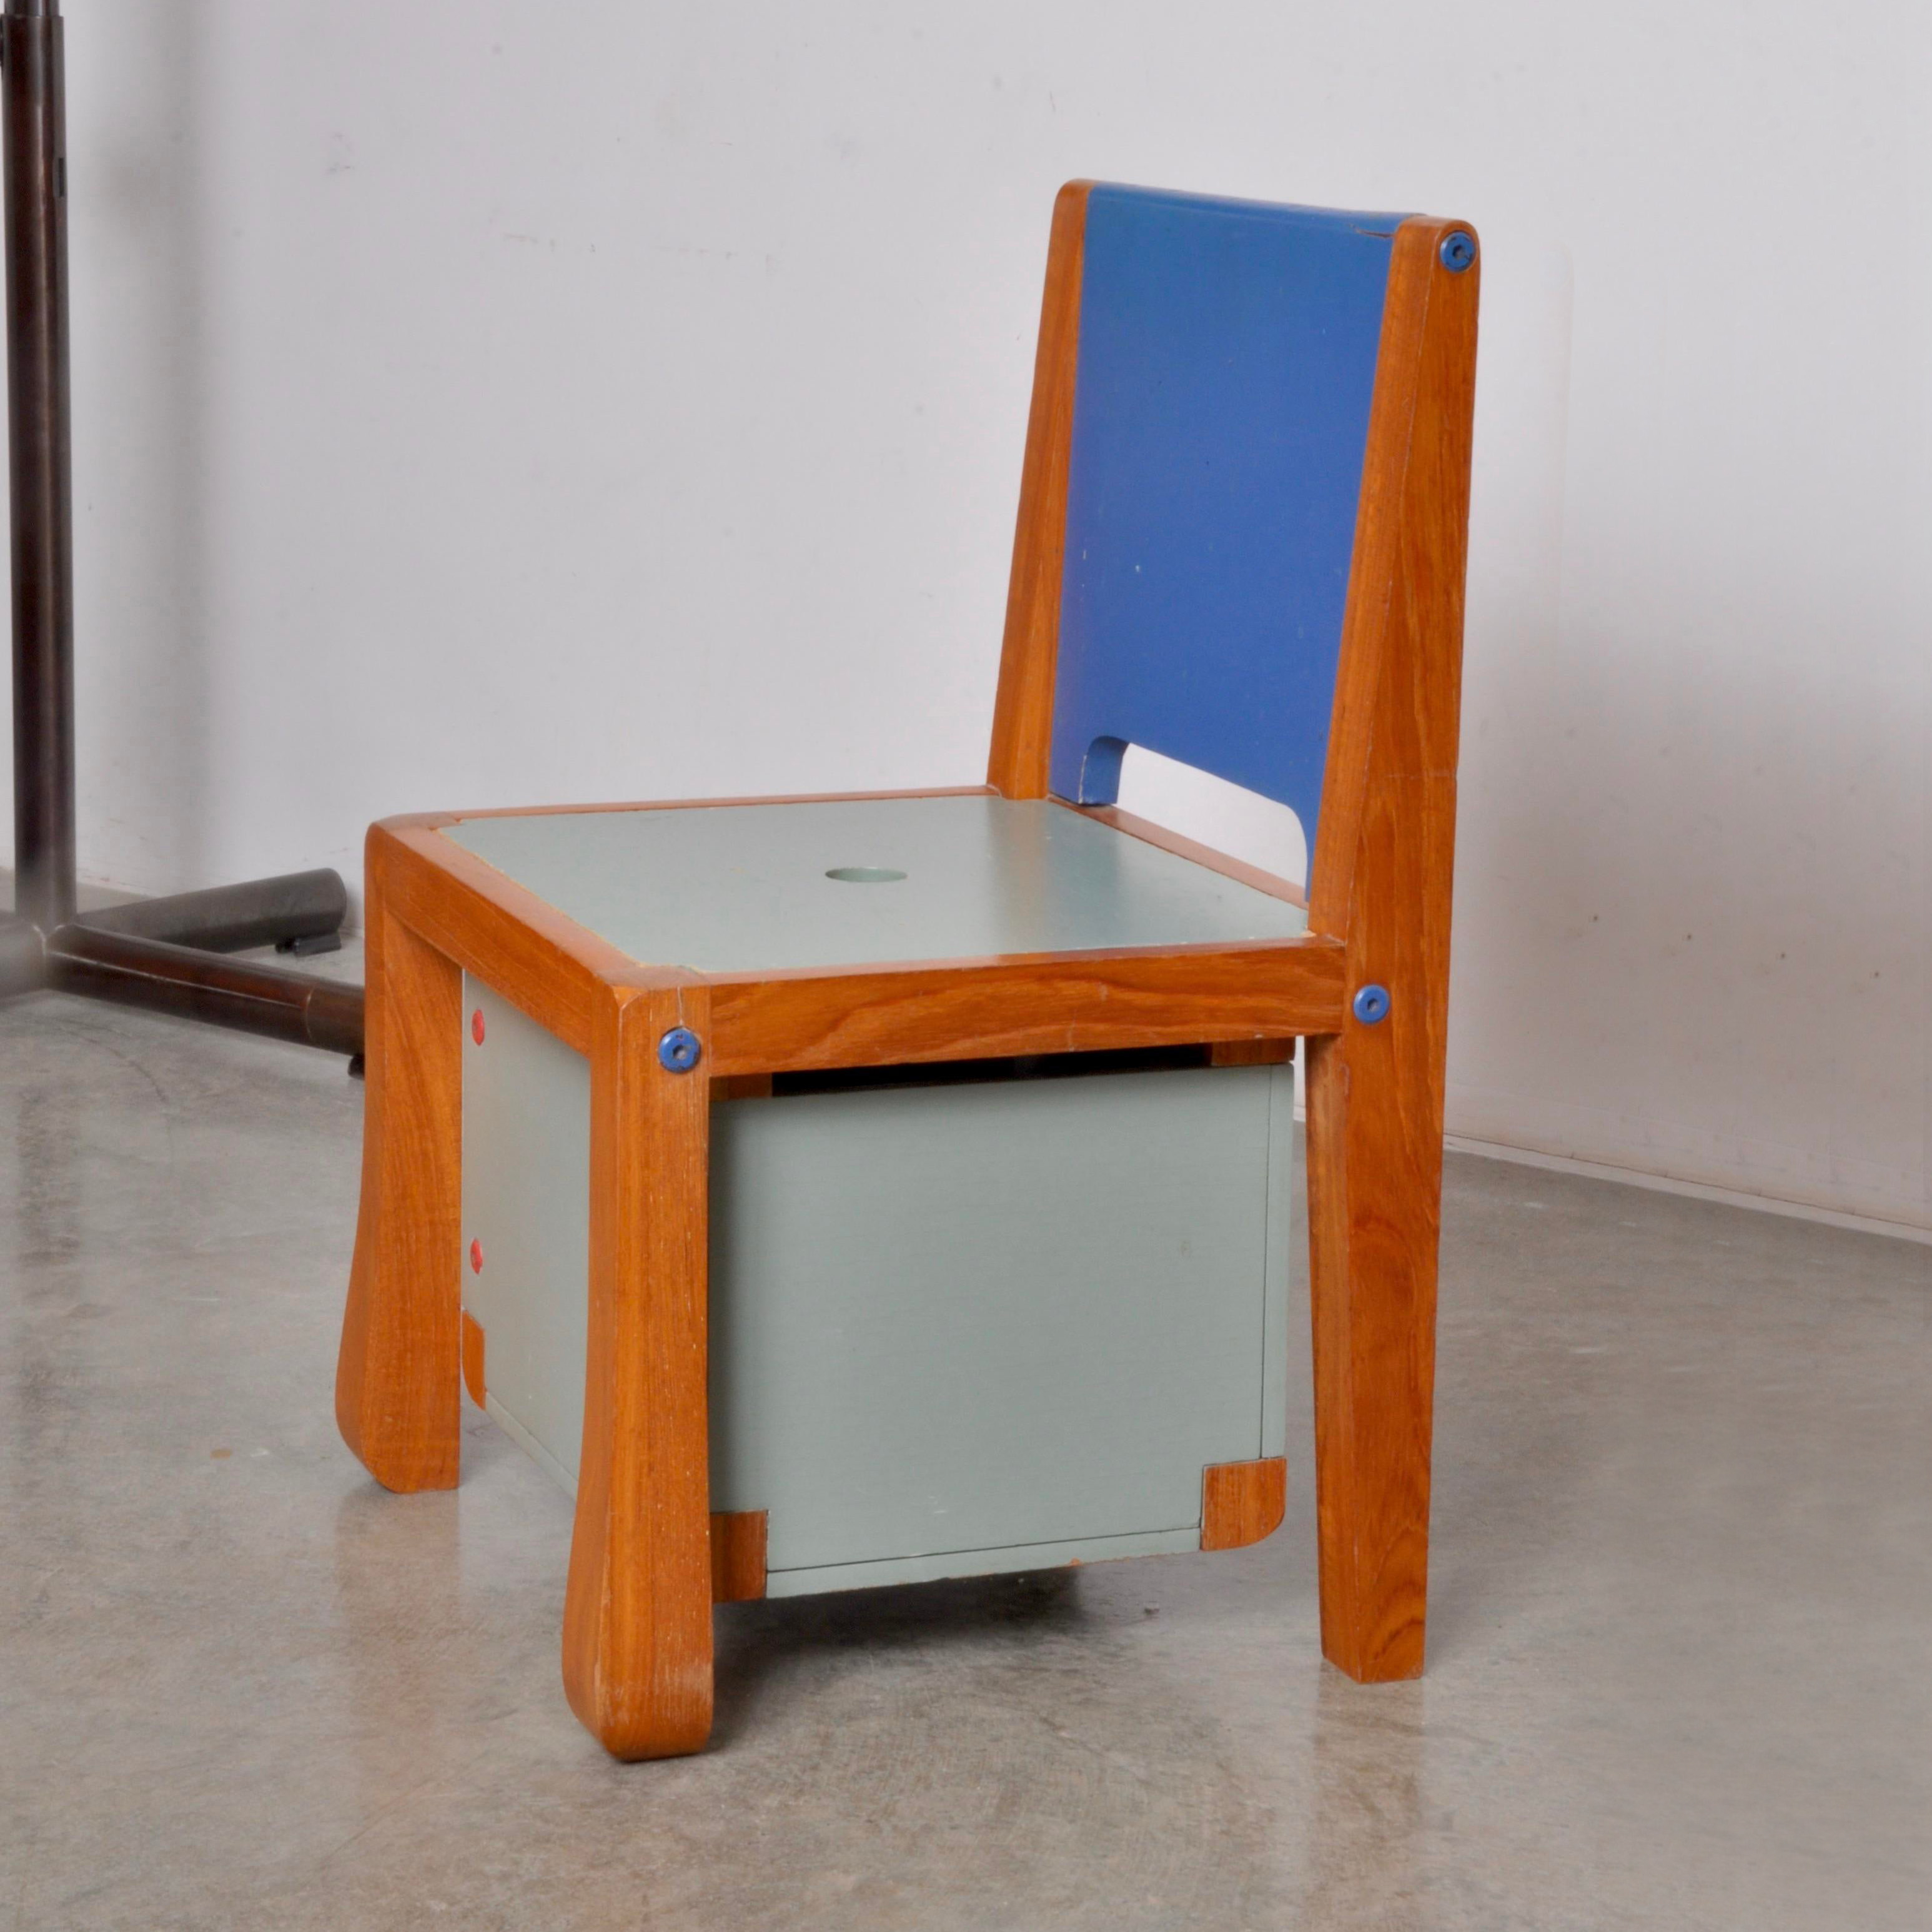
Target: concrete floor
{"type": "Point", "coordinates": [1681, 1644]}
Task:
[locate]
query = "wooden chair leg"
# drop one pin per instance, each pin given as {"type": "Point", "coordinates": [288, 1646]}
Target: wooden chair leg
{"type": "Point", "coordinates": [637, 1628]}
{"type": "Point", "coordinates": [396, 1377]}
{"type": "Point", "coordinates": [1374, 1196]}
{"type": "Point", "coordinates": [1374, 1205]}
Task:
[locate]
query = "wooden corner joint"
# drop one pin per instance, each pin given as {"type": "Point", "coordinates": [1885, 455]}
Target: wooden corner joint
{"type": "Point", "coordinates": [737, 1556]}
{"type": "Point", "coordinates": [1242, 1502]}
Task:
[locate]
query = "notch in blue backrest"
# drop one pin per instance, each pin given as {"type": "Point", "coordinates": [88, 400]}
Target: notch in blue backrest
{"type": "Point", "coordinates": [1225, 365]}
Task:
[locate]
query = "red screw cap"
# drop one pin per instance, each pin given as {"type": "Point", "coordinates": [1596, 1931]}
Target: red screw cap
{"type": "Point", "coordinates": [476, 1026]}
{"type": "Point", "coordinates": [476, 1257]}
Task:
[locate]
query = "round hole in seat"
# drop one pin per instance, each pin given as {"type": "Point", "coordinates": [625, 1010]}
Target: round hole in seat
{"type": "Point", "coordinates": [864, 875]}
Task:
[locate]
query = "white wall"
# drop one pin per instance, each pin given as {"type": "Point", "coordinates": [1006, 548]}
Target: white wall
{"type": "Point", "coordinates": [481, 403]}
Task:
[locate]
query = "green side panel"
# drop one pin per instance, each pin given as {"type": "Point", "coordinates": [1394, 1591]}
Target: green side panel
{"type": "Point", "coordinates": [1280, 1227]}
{"type": "Point", "coordinates": [526, 1201]}
{"type": "Point", "coordinates": [953, 1329]}
{"type": "Point", "coordinates": [742, 888]}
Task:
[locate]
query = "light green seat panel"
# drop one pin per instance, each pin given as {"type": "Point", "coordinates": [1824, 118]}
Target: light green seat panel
{"type": "Point", "coordinates": [742, 888]}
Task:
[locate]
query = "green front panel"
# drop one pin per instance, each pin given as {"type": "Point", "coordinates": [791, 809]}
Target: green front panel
{"type": "Point", "coordinates": [953, 1327]}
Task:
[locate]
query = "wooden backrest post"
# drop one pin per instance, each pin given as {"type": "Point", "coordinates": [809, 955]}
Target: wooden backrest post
{"type": "Point", "coordinates": [1398, 688]}
{"type": "Point", "coordinates": [1023, 708]}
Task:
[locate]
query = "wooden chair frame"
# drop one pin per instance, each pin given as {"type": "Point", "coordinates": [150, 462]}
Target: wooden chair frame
{"type": "Point", "coordinates": [638, 1638]}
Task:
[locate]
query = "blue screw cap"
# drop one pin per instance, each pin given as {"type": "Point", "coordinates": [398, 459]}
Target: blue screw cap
{"type": "Point", "coordinates": [1458, 249]}
{"type": "Point", "coordinates": [679, 1051]}
{"type": "Point", "coordinates": [1372, 1003]}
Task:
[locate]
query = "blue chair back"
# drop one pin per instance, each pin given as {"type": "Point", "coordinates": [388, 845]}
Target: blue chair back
{"type": "Point", "coordinates": [1226, 363]}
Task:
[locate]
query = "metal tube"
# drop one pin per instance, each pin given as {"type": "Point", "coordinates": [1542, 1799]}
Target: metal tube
{"type": "Point", "coordinates": [146, 954]}
{"type": "Point", "coordinates": [229, 919]}
{"type": "Point", "coordinates": [33, 134]}
{"type": "Point", "coordinates": [136, 971]}
{"type": "Point", "coordinates": [23, 957]}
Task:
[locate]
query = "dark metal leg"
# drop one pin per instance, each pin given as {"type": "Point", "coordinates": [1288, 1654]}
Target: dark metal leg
{"type": "Point", "coordinates": [34, 141]}
{"type": "Point", "coordinates": [161, 953]}
{"type": "Point", "coordinates": [295, 907]}
{"type": "Point", "coordinates": [267, 999]}
{"type": "Point", "coordinates": [22, 965]}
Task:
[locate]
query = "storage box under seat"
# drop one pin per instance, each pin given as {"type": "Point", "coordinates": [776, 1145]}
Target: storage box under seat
{"type": "Point", "coordinates": [955, 1328]}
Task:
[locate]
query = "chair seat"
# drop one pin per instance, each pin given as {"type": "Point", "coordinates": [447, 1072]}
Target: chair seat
{"type": "Point", "coordinates": [756, 888]}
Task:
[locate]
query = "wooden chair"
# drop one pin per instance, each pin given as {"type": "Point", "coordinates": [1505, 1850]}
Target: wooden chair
{"type": "Point", "coordinates": [1240, 544]}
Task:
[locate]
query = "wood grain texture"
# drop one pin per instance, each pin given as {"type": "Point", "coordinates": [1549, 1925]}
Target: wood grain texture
{"type": "Point", "coordinates": [1242, 1502]}
{"type": "Point", "coordinates": [1382, 878]}
{"type": "Point", "coordinates": [542, 962]}
{"type": "Point", "coordinates": [1250, 1052]}
{"type": "Point", "coordinates": [397, 1401]}
{"type": "Point", "coordinates": [474, 1379]}
{"type": "Point", "coordinates": [1150, 833]}
{"type": "Point", "coordinates": [1023, 709]}
{"type": "Point", "coordinates": [742, 1086]}
{"type": "Point", "coordinates": [1403, 618]}
{"type": "Point", "coordinates": [737, 1556]}
{"type": "Point", "coordinates": [1046, 1003]}
{"type": "Point", "coordinates": [636, 1634]}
